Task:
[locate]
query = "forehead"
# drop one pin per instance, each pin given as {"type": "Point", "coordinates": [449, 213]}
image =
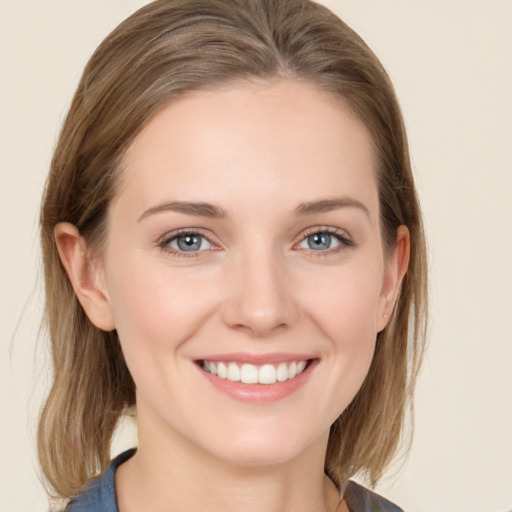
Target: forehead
{"type": "Point", "coordinates": [250, 140]}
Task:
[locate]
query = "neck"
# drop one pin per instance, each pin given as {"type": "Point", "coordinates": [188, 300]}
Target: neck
{"type": "Point", "coordinates": [169, 474]}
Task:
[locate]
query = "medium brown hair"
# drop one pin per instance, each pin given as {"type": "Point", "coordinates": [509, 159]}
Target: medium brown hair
{"type": "Point", "coordinates": [164, 50]}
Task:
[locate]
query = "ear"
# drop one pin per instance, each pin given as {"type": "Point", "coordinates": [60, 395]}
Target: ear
{"type": "Point", "coordinates": [85, 274]}
{"type": "Point", "coordinates": [394, 271]}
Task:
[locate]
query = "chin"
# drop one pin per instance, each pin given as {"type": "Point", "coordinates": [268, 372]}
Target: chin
{"type": "Point", "coordinates": [264, 447]}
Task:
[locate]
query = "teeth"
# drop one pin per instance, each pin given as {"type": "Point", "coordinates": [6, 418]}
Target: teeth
{"type": "Point", "coordinates": [233, 372]}
{"type": "Point", "coordinates": [292, 370]}
{"type": "Point", "coordinates": [282, 372]}
{"type": "Point", "coordinates": [267, 374]}
{"type": "Point", "coordinates": [222, 370]}
{"type": "Point", "coordinates": [249, 374]}
{"type": "Point", "coordinates": [252, 374]}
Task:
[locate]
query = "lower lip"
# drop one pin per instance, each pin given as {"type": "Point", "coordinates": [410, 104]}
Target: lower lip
{"type": "Point", "coordinates": [260, 393]}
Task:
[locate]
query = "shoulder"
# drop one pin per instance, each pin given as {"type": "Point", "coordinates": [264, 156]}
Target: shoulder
{"type": "Point", "coordinates": [360, 499]}
{"type": "Point", "coordinates": [99, 494]}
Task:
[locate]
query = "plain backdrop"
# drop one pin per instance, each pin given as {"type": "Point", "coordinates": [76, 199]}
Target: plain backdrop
{"type": "Point", "coordinates": [451, 64]}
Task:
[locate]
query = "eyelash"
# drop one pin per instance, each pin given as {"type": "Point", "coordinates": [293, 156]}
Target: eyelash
{"type": "Point", "coordinates": [344, 240]}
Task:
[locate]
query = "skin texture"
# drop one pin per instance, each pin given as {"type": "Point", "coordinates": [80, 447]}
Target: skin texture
{"type": "Point", "coordinates": [257, 151]}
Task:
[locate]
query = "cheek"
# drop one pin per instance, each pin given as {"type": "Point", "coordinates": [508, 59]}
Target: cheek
{"type": "Point", "coordinates": [155, 307]}
{"type": "Point", "coordinates": [345, 303]}
{"type": "Point", "coordinates": [345, 308]}
{"type": "Point", "coordinates": [158, 311]}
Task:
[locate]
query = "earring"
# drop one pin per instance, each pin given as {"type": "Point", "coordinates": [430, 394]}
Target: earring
{"type": "Point", "coordinates": [386, 316]}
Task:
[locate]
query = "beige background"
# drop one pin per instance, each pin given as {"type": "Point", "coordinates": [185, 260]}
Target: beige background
{"type": "Point", "coordinates": [451, 63]}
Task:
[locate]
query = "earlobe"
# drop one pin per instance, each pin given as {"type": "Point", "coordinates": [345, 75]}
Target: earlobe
{"type": "Point", "coordinates": [395, 270]}
{"type": "Point", "coordinates": [85, 275]}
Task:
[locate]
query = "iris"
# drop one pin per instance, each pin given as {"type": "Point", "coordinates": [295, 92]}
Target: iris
{"type": "Point", "coordinates": [319, 241]}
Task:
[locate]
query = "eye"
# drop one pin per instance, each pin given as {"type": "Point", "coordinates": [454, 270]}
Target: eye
{"type": "Point", "coordinates": [187, 242]}
{"type": "Point", "coordinates": [319, 242]}
{"type": "Point", "coordinates": [325, 240]}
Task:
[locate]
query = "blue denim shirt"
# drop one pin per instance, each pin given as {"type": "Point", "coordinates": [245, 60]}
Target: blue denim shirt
{"type": "Point", "coordinates": [100, 494]}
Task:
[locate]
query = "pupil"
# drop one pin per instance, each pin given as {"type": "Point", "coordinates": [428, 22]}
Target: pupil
{"type": "Point", "coordinates": [319, 241]}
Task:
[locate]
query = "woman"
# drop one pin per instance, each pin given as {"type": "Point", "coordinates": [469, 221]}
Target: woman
{"type": "Point", "coordinates": [233, 245]}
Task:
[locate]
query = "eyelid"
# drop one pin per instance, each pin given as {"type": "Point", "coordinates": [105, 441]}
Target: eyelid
{"type": "Point", "coordinates": [325, 229]}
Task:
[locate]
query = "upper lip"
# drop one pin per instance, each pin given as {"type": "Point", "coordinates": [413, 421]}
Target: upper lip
{"type": "Point", "coordinates": [258, 359]}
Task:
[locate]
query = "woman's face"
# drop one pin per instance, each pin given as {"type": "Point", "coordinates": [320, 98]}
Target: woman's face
{"type": "Point", "coordinates": [245, 241]}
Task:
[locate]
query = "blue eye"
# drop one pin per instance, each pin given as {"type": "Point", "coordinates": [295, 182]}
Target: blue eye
{"type": "Point", "coordinates": [188, 242]}
{"type": "Point", "coordinates": [320, 241]}
{"type": "Point", "coordinates": [324, 240]}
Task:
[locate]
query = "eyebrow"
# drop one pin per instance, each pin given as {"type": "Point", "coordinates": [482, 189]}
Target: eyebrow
{"type": "Point", "coordinates": [202, 209]}
{"type": "Point", "coordinates": [188, 208]}
{"type": "Point", "coordinates": [327, 205]}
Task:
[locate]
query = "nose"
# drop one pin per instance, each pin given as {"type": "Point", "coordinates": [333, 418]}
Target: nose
{"type": "Point", "coordinates": [261, 299]}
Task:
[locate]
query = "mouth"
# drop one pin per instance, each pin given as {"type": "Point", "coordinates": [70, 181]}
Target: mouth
{"type": "Point", "coordinates": [248, 373]}
{"type": "Point", "coordinates": [257, 378]}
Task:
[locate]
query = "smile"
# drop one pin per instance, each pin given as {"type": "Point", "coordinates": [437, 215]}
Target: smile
{"type": "Point", "coordinates": [254, 374]}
